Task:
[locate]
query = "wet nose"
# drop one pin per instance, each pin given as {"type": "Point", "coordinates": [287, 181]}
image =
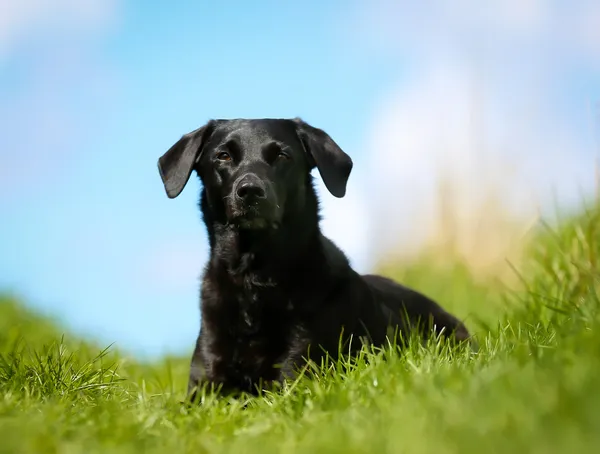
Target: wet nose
{"type": "Point", "coordinates": [250, 187]}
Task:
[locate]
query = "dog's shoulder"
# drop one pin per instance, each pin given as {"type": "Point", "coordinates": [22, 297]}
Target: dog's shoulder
{"type": "Point", "coordinates": [336, 260]}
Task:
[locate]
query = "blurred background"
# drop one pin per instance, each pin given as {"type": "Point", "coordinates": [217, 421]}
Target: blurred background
{"type": "Point", "coordinates": [466, 121]}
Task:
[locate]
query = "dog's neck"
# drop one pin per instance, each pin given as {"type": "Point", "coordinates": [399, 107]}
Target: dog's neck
{"type": "Point", "coordinates": [273, 251]}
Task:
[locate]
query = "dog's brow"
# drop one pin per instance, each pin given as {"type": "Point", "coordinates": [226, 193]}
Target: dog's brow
{"type": "Point", "coordinates": [277, 145]}
{"type": "Point", "coordinates": [274, 145]}
{"type": "Point", "coordinates": [233, 145]}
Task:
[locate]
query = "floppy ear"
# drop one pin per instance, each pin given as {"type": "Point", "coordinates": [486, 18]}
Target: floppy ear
{"type": "Point", "coordinates": [334, 165]}
{"type": "Point", "coordinates": [176, 165]}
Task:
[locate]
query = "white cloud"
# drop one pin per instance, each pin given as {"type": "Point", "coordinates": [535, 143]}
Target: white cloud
{"type": "Point", "coordinates": [503, 27]}
{"type": "Point", "coordinates": [51, 67]}
{"type": "Point", "coordinates": [488, 101]}
{"type": "Point", "coordinates": [433, 128]}
{"type": "Point", "coordinates": [22, 20]}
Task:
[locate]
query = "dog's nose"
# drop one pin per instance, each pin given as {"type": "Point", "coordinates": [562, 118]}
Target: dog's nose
{"type": "Point", "coordinates": [250, 187]}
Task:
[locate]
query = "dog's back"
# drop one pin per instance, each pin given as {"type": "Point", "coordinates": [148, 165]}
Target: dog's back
{"type": "Point", "coordinates": [407, 309]}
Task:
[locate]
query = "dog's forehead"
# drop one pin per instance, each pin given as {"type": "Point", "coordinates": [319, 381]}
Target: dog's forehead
{"type": "Point", "coordinates": [254, 132]}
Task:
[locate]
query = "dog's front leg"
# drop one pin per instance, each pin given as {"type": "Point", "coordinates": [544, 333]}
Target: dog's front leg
{"type": "Point", "coordinates": [197, 375]}
{"type": "Point", "coordinates": [296, 360]}
{"type": "Point", "coordinates": [205, 370]}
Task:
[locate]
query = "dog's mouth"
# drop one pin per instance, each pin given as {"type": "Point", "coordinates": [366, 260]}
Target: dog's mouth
{"type": "Point", "coordinates": [254, 215]}
{"type": "Point", "coordinates": [256, 224]}
{"type": "Point", "coordinates": [253, 220]}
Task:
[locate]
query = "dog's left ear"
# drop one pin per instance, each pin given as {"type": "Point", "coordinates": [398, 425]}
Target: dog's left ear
{"type": "Point", "coordinates": [176, 165]}
{"type": "Point", "coordinates": [334, 165]}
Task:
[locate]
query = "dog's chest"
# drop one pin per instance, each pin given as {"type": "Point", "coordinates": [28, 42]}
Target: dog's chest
{"type": "Point", "coordinates": [257, 315]}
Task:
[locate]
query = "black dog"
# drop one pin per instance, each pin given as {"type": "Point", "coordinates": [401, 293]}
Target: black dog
{"type": "Point", "coordinates": [275, 290]}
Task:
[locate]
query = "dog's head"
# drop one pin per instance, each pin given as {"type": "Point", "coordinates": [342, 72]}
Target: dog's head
{"type": "Point", "coordinates": [254, 170]}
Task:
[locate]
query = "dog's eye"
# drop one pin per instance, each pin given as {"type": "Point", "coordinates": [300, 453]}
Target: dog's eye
{"type": "Point", "coordinates": [223, 156]}
{"type": "Point", "coordinates": [282, 155]}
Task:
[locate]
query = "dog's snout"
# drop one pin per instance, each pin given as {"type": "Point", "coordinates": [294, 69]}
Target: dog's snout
{"type": "Point", "coordinates": [250, 186]}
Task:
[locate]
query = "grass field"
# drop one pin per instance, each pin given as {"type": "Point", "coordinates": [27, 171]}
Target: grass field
{"type": "Point", "coordinates": [533, 385]}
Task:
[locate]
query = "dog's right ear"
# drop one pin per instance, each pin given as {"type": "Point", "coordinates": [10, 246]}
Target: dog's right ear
{"type": "Point", "coordinates": [176, 165]}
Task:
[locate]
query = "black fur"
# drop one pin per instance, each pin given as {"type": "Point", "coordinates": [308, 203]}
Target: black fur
{"type": "Point", "coordinates": [275, 290]}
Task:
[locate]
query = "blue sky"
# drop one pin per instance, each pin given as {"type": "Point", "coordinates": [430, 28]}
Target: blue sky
{"type": "Point", "coordinates": [94, 92]}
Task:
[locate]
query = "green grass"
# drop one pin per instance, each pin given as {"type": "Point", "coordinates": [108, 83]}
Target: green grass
{"type": "Point", "coordinates": [533, 385]}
